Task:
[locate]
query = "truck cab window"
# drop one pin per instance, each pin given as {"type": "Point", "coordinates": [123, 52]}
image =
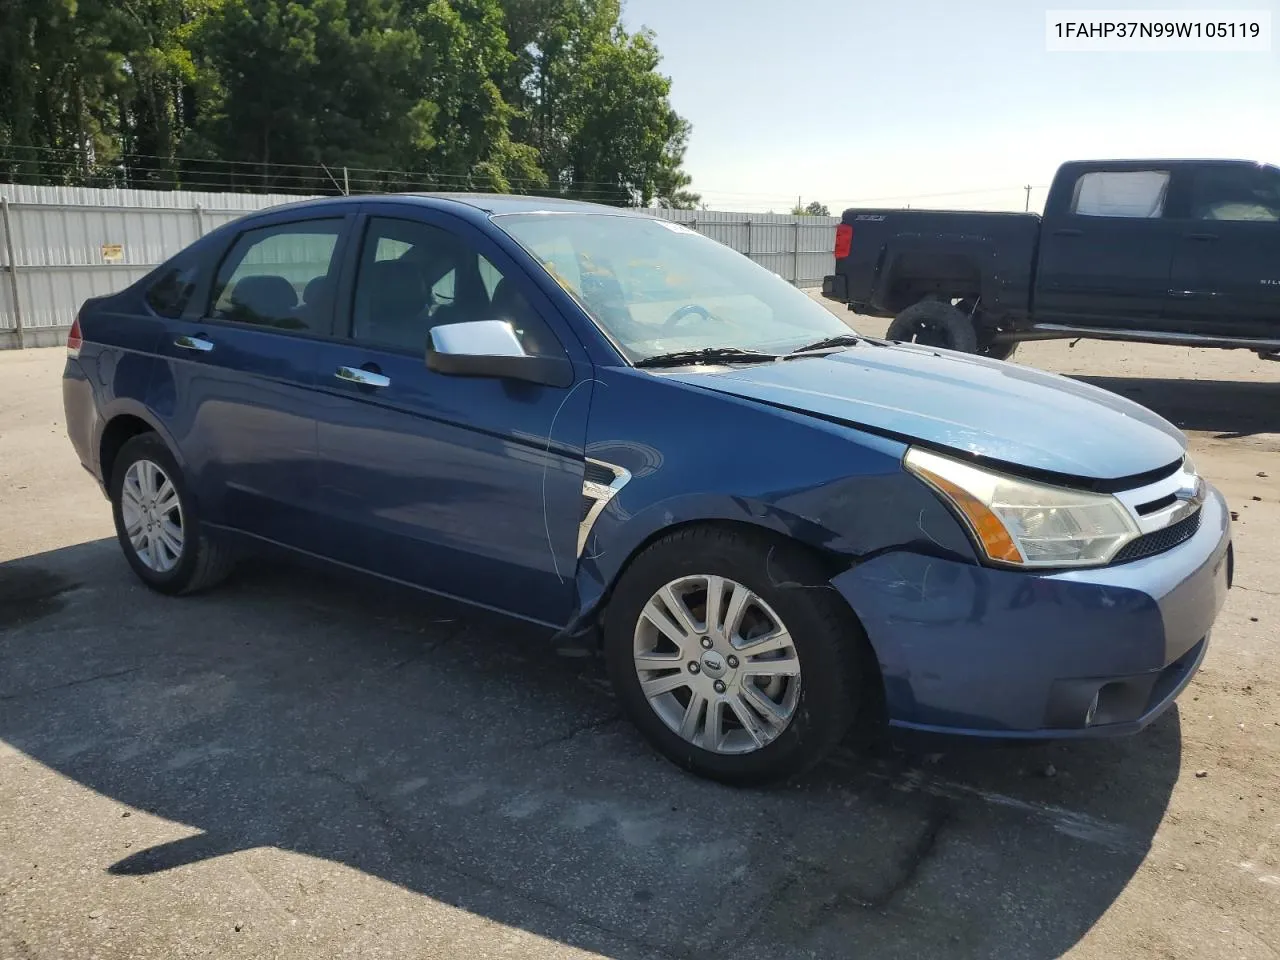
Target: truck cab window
{"type": "Point", "coordinates": [1236, 193]}
{"type": "Point", "coordinates": [1133, 194]}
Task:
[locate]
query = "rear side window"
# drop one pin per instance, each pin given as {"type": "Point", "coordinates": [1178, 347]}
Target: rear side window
{"type": "Point", "coordinates": [1132, 194]}
{"type": "Point", "coordinates": [169, 295]}
{"type": "Point", "coordinates": [281, 276]}
{"type": "Point", "coordinates": [1236, 193]}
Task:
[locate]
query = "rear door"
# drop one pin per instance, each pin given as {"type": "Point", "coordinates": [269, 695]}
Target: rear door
{"type": "Point", "coordinates": [236, 385]}
{"type": "Point", "coordinates": [1106, 249]}
{"type": "Point", "coordinates": [1226, 267]}
{"type": "Point", "coordinates": [469, 486]}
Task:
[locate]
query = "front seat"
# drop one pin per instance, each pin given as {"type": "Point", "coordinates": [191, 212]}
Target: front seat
{"type": "Point", "coordinates": [396, 313]}
{"type": "Point", "coordinates": [510, 305]}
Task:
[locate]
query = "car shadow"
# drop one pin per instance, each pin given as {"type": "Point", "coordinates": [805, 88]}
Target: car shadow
{"type": "Point", "coordinates": [1229, 408]}
{"type": "Point", "coordinates": [461, 759]}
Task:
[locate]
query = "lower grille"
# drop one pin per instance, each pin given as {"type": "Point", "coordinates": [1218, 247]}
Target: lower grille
{"type": "Point", "coordinates": [1160, 540]}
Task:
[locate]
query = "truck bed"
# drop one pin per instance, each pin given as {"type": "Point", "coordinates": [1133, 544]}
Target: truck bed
{"type": "Point", "coordinates": [897, 257]}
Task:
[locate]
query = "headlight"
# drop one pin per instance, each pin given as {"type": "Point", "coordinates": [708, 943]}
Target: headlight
{"type": "Point", "coordinates": [1025, 524]}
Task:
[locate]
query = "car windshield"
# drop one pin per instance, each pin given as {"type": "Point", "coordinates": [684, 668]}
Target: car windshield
{"type": "Point", "coordinates": [658, 288]}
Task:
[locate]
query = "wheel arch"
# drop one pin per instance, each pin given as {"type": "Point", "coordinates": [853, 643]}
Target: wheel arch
{"type": "Point", "coordinates": [770, 527]}
{"type": "Point", "coordinates": [914, 271]}
{"type": "Point", "coordinates": [120, 424]}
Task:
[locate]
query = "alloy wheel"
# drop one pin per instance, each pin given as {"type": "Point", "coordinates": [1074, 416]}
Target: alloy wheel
{"type": "Point", "coordinates": [717, 664]}
{"type": "Point", "coordinates": [152, 515]}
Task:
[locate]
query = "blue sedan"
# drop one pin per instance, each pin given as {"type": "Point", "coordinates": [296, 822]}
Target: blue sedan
{"type": "Point", "coordinates": [607, 425]}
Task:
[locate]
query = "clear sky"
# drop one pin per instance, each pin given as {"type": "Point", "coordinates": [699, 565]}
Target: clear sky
{"type": "Point", "coordinates": [848, 100]}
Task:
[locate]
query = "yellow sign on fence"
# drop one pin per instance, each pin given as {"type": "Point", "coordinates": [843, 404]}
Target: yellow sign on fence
{"type": "Point", "coordinates": [112, 252]}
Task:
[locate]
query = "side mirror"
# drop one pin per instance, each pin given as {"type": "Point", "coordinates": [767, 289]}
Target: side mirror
{"type": "Point", "coordinates": [490, 348]}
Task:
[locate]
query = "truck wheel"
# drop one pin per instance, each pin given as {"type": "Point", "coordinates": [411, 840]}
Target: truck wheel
{"type": "Point", "coordinates": [996, 351]}
{"type": "Point", "coordinates": [999, 351]}
{"type": "Point", "coordinates": [934, 323]}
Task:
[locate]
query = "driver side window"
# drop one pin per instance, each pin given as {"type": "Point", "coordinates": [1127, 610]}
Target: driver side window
{"type": "Point", "coordinates": [414, 276]}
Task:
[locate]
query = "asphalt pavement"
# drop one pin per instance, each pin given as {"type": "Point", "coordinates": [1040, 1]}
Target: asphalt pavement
{"type": "Point", "coordinates": [303, 765]}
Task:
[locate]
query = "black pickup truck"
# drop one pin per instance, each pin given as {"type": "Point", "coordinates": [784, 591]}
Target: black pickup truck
{"type": "Point", "coordinates": [1159, 251]}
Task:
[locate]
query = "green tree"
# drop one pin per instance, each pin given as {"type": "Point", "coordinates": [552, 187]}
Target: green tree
{"type": "Point", "coordinates": [671, 184]}
{"type": "Point", "coordinates": [812, 209]}
{"type": "Point", "coordinates": [618, 122]}
{"type": "Point", "coordinates": [587, 95]}
{"type": "Point", "coordinates": [262, 94]}
{"type": "Point", "coordinates": [465, 60]}
{"type": "Point", "coordinates": [60, 68]}
{"type": "Point", "coordinates": [313, 82]}
{"type": "Point", "coordinates": [159, 102]}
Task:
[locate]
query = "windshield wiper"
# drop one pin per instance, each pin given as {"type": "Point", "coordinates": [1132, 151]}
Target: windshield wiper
{"type": "Point", "coordinates": [841, 340]}
{"type": "Point", "coordinates": [707, 355]}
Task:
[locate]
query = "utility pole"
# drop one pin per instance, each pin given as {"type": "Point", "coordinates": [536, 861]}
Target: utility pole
{"type": "Point", "coordinates": [1027, 206]}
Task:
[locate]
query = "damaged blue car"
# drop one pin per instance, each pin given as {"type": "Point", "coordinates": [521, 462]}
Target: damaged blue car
{"type": "Point", "coordinates": [610, 426]}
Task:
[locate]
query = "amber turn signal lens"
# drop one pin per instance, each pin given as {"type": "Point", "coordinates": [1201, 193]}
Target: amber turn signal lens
{"type": "Point", "coordinates": [995, 539]}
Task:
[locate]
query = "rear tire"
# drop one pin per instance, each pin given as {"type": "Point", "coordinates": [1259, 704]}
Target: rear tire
{"type": "Point", "coordinates": [935, 323]}
{"type": "Point", "coordinates": [714, 673]}
{"type": "Point", "coordinates": [157, 522]}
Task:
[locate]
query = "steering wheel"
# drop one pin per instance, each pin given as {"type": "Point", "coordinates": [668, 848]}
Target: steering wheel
{"type": "Point", "coordinates": [688, 310]}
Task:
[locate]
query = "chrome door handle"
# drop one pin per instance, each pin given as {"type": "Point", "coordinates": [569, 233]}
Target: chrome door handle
{"type": "Point", "coordinates": [363, 377]}
{"type": "Point", "coordinates": [194, 343]}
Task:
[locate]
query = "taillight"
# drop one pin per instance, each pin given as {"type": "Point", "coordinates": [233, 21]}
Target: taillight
{"type": "Point", "coordinates": [74, 340]}
{"type": "Point", "coordinates": [844, 240]}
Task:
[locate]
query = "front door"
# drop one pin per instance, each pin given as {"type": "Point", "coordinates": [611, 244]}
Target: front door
{"type": "Point", "coordinates": [1226, 266]}
{"type": "Point", "coordinates": [236, 386]}
{"type": "Point", "coordinates": [1105, 252]}
{"type": "Point", "coordinates": [468, 486]}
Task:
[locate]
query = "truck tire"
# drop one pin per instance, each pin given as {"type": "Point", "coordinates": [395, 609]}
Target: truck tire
{"type": "Point", "coordinates": [996, 351]}
{"type": "Point", "coordinates": [999, 351]}
{"type": "Point", "coordinates": [935, 323]}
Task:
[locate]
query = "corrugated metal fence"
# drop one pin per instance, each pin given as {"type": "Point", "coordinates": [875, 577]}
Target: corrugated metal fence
{"type": "Point", "coordinates": [61, 245]}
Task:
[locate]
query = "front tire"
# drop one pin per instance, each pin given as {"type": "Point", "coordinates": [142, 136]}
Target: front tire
{"type": "Point", "coordinates": [157, 522]}
{"type": "Point", "coordinates": [986, 348]}
{"type": "Point", "coordinates": [733, 655]}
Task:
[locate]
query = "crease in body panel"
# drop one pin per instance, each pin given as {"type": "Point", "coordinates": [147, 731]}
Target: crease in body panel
{"type": "Point", "coordinates": [546, 464]}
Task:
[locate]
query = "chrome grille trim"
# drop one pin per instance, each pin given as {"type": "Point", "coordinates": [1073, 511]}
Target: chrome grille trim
{"type": "Point", "coordinates": [1185, 486]}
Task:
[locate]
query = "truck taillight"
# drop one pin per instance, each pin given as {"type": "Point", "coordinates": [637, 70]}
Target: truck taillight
{"type": "Point", "coordinates": [844, 240]}
{"type": "Point", "coordinates": [74, 340]}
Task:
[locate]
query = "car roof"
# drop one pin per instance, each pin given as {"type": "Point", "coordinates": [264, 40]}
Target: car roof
{"type": "Point", "coordinates": [489, 203]}
{"type": "Point", "coordinates": [1169, 162]}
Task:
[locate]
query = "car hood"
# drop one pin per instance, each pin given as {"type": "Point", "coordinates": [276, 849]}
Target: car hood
{"type": "Point", "coordinates": [1001, 411]}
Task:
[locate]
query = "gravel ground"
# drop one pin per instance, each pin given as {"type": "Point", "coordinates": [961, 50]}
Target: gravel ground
{"type": "Point", "coordinates": [298, 766]}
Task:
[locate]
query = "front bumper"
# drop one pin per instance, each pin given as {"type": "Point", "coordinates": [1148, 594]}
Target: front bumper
{"type": "Point", "coordinates": [976, 651]}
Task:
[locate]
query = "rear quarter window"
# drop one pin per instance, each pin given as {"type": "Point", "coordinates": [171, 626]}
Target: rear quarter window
{"type": "Point", "coordinates": [1129, 194]}
{"type": "Point", "coordinates": [171, 292]}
